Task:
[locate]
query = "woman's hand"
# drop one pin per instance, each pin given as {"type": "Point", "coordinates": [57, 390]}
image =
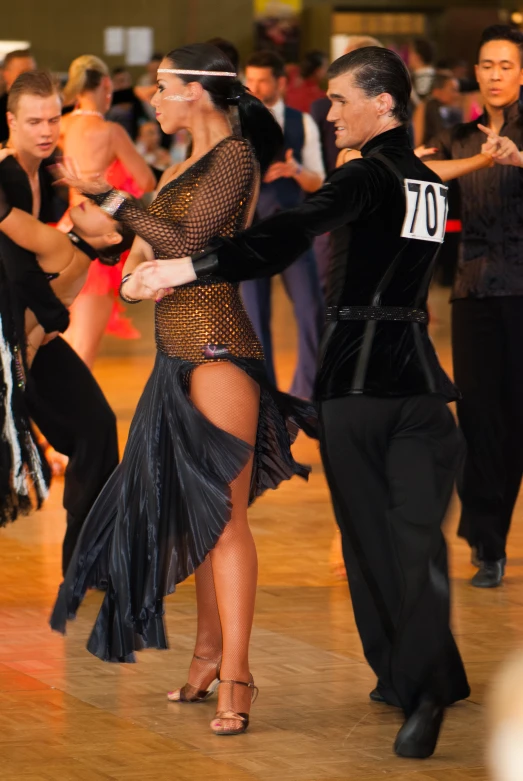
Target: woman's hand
{"type": "Point", "coordinates": [68, 173]}
{"type": "Point", "coordinates": [142, 285]}
{"type": "Point", "coordinates": [6, 152]}
{"type": "Point", "coordinates": [425, 151]}
{"type": "Point", "coordinates": [164, 275]}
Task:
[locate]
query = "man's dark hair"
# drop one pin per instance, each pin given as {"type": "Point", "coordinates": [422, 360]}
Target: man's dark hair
{"type": "Point", "coordinates": [39, 83]}
{"type": "Point", "coordinates": [375, 71]}
{"type": "Point", "coordinates": [119, 69]}
{"type": "Point", "coordinates": [424, 49]}
{"type": "Point", "coordinates": [229, 49]}
{"type": "Point", "coordinates": [267, 59]}
{"type": "Point", "coordinates": [311, 62]}
{"type": "Point", "coordinates": [502, 32]}
{"type": "Point", "coordinates": [18, 54]}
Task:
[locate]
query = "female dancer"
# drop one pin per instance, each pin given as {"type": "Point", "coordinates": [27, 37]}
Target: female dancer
{"type": "Point", "coordinates": [98, 146]}
{"type": "Point", "coordinates": [210, 432]}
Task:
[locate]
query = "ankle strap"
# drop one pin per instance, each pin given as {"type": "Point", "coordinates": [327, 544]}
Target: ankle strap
{"type": "Point", "coordinates": [249, 685]}
{"type": "Point", "coordinates": [205, 659]}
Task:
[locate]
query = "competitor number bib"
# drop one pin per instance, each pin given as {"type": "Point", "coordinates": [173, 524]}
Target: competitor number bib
{"type": "Point", "coordinates": [426, 213]}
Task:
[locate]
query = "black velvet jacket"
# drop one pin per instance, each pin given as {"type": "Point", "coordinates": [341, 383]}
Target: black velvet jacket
{"type": "Point", "coordinates": [491, 253]}
{"type": "Point", "coordinates": [29, 285]}
{"type": "Point", "coordinates": [363, 204]}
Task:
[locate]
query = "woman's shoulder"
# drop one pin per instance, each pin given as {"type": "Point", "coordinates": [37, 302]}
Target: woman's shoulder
{"type": "Point", "coordinates": [237, 147]}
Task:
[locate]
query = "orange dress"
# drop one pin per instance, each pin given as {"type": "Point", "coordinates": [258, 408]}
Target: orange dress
{"type": "Point", "coordinates": [102, 280]}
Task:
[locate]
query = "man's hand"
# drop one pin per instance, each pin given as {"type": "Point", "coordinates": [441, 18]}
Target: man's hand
{"type": "Point", "coordinates": [157, 278]}
{"type": "Point", "coordinates": [502, 149]}
{"type": "Point", "coordinates": [289, 169]}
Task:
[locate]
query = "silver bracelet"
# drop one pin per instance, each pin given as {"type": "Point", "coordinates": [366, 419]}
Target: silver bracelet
{"type": "Point", "coordinates": [124, 297]}
{"type": "Point", "coordinates": [113, 202]}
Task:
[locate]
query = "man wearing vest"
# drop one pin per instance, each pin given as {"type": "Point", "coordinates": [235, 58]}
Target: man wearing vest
{"type": "Point", "coordinates": [299, 171]}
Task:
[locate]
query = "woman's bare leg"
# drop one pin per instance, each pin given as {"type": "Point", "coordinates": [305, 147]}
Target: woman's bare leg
{"type": "Point", "coordinates": [90, 314]}
{"type": "Point", "coordinates": [229, 398]}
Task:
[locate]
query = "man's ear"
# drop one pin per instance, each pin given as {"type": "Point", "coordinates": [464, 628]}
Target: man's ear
{"type": "Point", "coordinates": [384, 103]}
{"type": "Point", "coordinates": [11, 120]}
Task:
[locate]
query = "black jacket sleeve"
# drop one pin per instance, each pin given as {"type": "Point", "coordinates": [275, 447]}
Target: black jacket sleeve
{"type": "Point", "coordinates": [271, 245]}
{"type": "Point", "coordinates": [29, 283]}
{"type": "Point", "coordinates": [31, 288]}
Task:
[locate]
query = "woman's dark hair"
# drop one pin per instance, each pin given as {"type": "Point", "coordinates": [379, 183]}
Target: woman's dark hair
{"type": "Point", "coordinates": [375, 71]}
{"type": "Point", "coordinates": [312, 62]}
{"type": "Point", "coordinates": [257, 123]}
{"type": "Point", "coordinates": [228, 48]}
{"type": "Point", "coordinates": [502, 32]}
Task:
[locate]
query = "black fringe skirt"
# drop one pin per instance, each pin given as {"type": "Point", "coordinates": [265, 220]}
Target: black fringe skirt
{"type": "Point", "coordinates": [167, 503]}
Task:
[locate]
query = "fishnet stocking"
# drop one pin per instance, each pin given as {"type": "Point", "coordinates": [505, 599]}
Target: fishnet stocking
{"type": "Point", "coordinates": [229, 398]}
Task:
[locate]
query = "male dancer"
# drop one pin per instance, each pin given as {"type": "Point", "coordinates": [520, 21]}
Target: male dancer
{"type": "Point", "coordinates": [63, 397]}
{"type": "Point", "coordinates": [487, 308]}
{"type": "Point", "coordinates": [389, 444]}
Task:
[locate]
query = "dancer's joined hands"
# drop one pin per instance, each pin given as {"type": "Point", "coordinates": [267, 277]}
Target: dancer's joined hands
{"type": "Point", "coordinates": [502, 149]}
{"type": "Point", "coordinates": [156, 279]}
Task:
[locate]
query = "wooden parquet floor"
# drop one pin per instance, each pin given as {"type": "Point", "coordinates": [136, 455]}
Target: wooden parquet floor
{"type": "Point", "coordinates": [68, 717]}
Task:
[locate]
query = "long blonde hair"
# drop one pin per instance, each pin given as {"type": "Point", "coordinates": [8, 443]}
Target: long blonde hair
{"type": "Point", "coordinates": [85, 74]}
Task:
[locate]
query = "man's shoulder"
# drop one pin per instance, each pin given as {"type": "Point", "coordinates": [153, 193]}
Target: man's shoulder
{"type": "Point", "coordinates": [465, 130]}
{"type": "Point", "coordinates": [10, 170]}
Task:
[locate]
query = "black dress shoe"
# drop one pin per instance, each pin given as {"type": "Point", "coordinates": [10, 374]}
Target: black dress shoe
{"type": "Point", "coordinates": [490, 574]}
{"type": "Point", "coordinates": [375, 696]}
{"type": "Point", "coordinates": [418, 737]}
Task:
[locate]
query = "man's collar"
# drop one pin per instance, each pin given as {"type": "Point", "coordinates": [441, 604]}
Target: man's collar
{"type": "Point", "coordinates": [397, 137]}
{"type": "Point", "coordinates": [510, 113]}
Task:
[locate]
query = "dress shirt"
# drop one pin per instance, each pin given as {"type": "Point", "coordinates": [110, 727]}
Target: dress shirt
{"type": "Point", "coordinates": [312, 158]}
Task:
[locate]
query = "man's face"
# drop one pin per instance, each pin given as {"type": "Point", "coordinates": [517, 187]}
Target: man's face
{"type": "Point", "coordinates": [35, 127]}
{"type": "Point", "coordinates": [122, 80]}
{"type": "Point", "coordinates": [264, 85]}
{"type": "Point", "coordinates": [16, 67]}
{"type": "Point", "coordinates": [449, 93]}
{"type": "Point", "coordinates": [356, 117]}
{"type": "Point", "coordinates": [499, 73]}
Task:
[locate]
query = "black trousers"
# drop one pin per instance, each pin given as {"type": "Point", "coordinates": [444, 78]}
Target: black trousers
{"type": "Point", "coordinates": [69, 408]}
{"type": "Point", "coordinates": [487, 348]}
{"type": "Point", "coordinates": [390, 464]}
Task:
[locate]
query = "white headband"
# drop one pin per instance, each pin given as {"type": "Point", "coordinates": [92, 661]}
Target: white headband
{"type": "Point", "coordinates": [197, 73]}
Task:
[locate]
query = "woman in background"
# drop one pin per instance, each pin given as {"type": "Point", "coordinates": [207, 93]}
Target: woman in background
{"type": "Point", "coordinates": [102, 147]}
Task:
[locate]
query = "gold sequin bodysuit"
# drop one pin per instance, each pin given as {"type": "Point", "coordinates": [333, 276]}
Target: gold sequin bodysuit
{"type": "Point", "coordinates": [205, 320]}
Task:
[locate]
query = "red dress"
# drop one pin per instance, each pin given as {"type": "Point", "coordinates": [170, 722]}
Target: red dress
{"type": "Point", "coordinates": [102, 279]}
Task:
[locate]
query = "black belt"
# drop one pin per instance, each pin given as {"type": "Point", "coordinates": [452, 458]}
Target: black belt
{"type": "Point", "coordinates": [403, 314]}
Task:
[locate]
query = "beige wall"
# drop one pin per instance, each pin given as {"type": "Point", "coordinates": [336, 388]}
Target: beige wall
{"type": "Point", "coordinates": [62, 29]}
{"type": "Point", "coordinates": [455, 24]}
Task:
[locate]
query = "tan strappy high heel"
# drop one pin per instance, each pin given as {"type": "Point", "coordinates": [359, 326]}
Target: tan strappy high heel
{"type": "Point", "coordinates": [232, 715]}
{"type": "Point", "coordinates": [191, 694]}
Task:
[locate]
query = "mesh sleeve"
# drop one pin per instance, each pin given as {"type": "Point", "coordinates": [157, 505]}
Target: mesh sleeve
{"type": "Point", "coordinates": [216, 196]}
